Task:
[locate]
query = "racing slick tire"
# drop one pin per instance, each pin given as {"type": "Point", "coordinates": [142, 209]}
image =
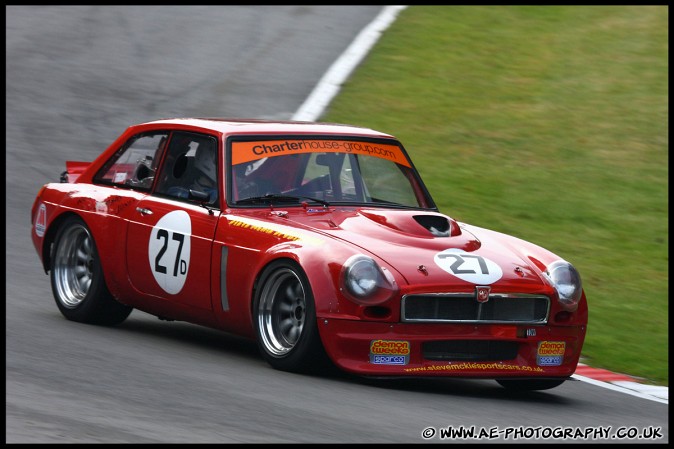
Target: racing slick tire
{"type": "Point", "coordinates": [530, 385]}
{"type": "Point", "coordinates": [77, 278]}
{"type": "Point", "coordinates": [285, 319]}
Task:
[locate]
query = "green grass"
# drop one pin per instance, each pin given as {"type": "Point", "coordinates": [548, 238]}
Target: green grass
{"type": "Point", "coordinates": [549, 123]}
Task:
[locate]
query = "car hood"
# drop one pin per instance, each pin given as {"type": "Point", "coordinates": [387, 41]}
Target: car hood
{"type": "Point", "coordinates": [429, 248]}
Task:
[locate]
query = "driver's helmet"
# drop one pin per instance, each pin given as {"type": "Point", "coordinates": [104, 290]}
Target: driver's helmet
{"type": "Point", "coordinates": [205, 161]}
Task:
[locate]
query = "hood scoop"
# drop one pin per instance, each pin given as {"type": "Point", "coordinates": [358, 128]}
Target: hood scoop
{"type": "Point", "coordinates": [437, 225]}
{"type": "Point", "coordinates": [413, 223]}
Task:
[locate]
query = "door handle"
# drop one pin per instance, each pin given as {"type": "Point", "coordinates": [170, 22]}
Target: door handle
{"type": "Point", "coordinates": [144, 211]}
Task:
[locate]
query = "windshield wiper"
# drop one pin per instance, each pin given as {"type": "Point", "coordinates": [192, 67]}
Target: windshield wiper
{"type": "Point", "coordinates": [270, 197]}
{"type": "Point", "coordinates": [389, 203]}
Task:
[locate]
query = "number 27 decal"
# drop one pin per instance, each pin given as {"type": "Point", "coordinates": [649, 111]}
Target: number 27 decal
{"type": "Point", "coordinates": [461, 259]}
{"type": "Point", "coordinates": [164, 234]}
{"type": "Point", "coordinates": [169, 251]}
{"type": "Point", "coordinates": [469, 267]}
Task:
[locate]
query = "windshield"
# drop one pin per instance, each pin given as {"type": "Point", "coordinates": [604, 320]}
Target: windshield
{"type": "Point", "coordinates": [323, 170]}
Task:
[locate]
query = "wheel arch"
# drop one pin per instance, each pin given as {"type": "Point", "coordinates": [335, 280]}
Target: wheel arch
{"type": "Point", "coordinates": [70, 259]}
{"type": "Point", "coordinates": [50, 237]}
{"type": "Point", "coordinates": [258, 276]}
{"type": "Point", "coordinates": [103, 248]}
{"type": "Point", "coordinates": [320, 267]}
{"type": "Point", "coordinates": [298, 348]}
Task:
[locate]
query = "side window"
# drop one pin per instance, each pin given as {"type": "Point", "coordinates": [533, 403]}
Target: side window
{"type": "Point", "coordinates": [135, 164]}
{"type": "Point", "coordinates": [190, 171]}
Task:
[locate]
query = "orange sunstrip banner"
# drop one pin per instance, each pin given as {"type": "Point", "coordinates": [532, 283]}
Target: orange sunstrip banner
{"type": "Point", "coordinates": [252, 151]}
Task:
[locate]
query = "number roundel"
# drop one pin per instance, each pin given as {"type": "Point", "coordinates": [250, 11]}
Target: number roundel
{"type": "Point", "coordinates": [469, 267]}
{"type": "Point", "coordinates": [169, 250]}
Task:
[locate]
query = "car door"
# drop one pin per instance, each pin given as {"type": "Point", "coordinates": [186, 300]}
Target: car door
{"type": "Point", "coordinates": [170, 232]}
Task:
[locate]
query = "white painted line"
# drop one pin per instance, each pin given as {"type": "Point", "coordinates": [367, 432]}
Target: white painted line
{"type": "Point", "coordinates": [622, 389]}
{"type": "Point", "coordinates": [329, 86]}
{"type": "Point", "coordinates": [341, 69]}
{"type": "Point", "coordinates": [650, 390]}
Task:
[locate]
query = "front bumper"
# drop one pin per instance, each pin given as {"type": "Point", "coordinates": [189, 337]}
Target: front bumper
{"type": "Point", "coordinates": [452, 350]}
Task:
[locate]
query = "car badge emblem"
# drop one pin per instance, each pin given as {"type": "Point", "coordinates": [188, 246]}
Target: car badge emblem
{"type": "Point", "coordinates": [482, 293]}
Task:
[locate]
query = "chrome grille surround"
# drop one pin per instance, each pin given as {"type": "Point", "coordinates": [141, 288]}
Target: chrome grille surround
{"type": "Point", "coordinates": [501, 308]}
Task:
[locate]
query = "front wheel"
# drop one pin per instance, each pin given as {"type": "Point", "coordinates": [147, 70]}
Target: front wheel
{"type": "Point", "coordinates": [530, 385]}
{"type": "Point", "coordinates": [77, 278]}
{"type": "Point", "coordinates": [285, 319]}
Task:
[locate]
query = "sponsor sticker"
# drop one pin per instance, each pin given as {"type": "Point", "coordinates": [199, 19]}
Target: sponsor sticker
{"type": "Point", "coordinates": [101, 207]}
{"type": "Point", "coordinates": [41, 220]}
{"type": "Point", "coordinates": [491, 366]}
{"type": "Point", "coordinates": [252, 151]}
{"type": "Point", "coordinates": [388, 359]}
{"type": "Point", "coordinates": [389, 352]}
{"type": "Point", "coordinates": [550, 353]}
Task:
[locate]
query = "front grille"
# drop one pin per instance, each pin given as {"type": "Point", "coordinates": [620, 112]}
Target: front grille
{"type": "Point", "coordinates": [464, 308]}
{"type": "Point", "coordinates": [472, 350]}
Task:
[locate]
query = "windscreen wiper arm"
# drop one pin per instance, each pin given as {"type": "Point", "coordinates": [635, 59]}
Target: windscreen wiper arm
{"type": "Point", "coordinates": [271, 197]}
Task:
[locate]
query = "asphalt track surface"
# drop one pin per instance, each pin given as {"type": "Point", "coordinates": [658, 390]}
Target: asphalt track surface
{"type": "Point", "coordinates": [76, 77]}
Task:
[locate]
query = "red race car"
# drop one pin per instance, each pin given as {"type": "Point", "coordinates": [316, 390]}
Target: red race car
{"type": "Point", "coordinates": [318, 240]}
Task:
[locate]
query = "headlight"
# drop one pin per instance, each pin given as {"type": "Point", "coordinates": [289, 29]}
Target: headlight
{"type": "Point", "coordinates": [566, 281]}
{"type": "Point", "coordinates": [365, 282]}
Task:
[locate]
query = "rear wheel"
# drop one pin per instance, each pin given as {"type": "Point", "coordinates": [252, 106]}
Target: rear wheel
{"type": "Point", "coordinates": [285, 319]}
{"type": "Point", "coordinates": [530, 385]}
{"type": "Point", "coordinates": [77, 278]}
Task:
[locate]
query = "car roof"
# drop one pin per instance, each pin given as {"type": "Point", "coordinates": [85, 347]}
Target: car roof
{"type": "Point", "coordinates": [262, 126]}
